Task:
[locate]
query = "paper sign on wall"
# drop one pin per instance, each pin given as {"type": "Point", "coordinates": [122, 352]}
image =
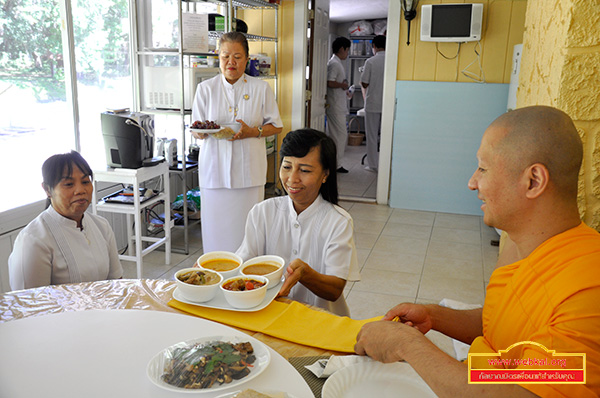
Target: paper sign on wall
{"type": "Point", "coordinates": [195, 32]}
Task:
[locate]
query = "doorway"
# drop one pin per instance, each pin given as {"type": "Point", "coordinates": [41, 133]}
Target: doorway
{"type": "Point", "coordinates": [301, 17]}
{"type": "Point", "coordinates": [360, 183]}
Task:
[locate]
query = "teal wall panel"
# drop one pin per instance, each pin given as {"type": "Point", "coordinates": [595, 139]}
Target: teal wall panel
{"type": "Point", "coordinates": [437, 130]}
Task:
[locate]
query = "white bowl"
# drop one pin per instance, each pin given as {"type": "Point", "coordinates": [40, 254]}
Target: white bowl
{"type": "Point", "coordinates": [273, 277]}
{"type": "Point", "coordinates": [245, 298]}
{"type": "Point", "coordinates": [198, 293]}
{"type": "Point", "coordinates": [219, 255]}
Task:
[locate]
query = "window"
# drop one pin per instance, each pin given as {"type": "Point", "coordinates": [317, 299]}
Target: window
{"type": "Point", "coordinates": [35, 120]}
{"type": "Point", "coordinates": [38, 105]}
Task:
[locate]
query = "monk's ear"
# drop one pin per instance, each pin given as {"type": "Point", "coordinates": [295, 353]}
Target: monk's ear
{"type": "Point", "coordinates": [538, 178]}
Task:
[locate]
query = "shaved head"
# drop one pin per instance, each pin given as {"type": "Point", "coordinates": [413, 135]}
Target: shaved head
{"type": "Point", "coordinates": [546, 135]}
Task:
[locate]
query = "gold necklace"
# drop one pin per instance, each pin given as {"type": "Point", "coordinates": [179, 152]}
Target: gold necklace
{"type": "Point", "coordinates": [235, 108]}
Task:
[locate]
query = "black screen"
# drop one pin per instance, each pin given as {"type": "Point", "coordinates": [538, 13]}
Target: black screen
{"type": "Point", "coordinates": [451, 20]}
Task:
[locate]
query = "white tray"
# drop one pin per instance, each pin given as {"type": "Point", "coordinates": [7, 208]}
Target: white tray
{"type": "Point", "coordinates": [219, 300]}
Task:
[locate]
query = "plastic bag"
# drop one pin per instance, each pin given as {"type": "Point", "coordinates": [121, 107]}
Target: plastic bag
{"type": "Point", "coordinates": [360, 28]}
{"type": "Point", "coordinates": [379, 27]}
{"type": "Point", "coordinates": [193, 200]}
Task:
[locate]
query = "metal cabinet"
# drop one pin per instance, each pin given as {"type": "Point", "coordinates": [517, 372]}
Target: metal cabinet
{"type": "Point", "coordinates": [165, 76]}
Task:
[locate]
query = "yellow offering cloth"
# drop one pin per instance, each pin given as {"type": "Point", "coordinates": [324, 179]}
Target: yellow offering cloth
{"type": "Point", "coordinates": [292, 321]}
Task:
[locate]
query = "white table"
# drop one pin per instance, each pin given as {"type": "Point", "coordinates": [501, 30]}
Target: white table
{"type": "Point", "coordinates": [136, 177]}
{"type": "Point", "coordinates": [104, 353]}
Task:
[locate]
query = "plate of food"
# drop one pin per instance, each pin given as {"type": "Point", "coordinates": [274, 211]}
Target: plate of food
{"type": "Point", "coordinates": [220, 302]}
{"type": "Point", "coordinates": [218, 131]}
{"type": "Point", "coordinates": [376, 379]}
{"type": "Point", "coordinates": [256, 393]}
{"type": "Point", "coordinates": [208, 364]}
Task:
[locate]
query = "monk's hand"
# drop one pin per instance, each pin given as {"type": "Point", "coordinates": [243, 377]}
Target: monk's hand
{"type": "Point", "coordinates": [384, 341]}
{"type": "Point", "coordinates": [293, 274]}
{"type": "Point", "coordinates": [415, 315]}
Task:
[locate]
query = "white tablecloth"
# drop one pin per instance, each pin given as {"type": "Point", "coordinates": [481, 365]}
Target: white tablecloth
{"type": "Point", "coordinates": [104, 353]}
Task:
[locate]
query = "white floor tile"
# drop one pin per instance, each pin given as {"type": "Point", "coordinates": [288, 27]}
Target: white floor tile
{"type": "Point", "coordinates": [388, 282]}
{"type": "Point", "coordinates": [460, 221]}
{"type": "Point", "coordinates": [392, 244]}
{"type": "Point", "coordinates": [411, 263]}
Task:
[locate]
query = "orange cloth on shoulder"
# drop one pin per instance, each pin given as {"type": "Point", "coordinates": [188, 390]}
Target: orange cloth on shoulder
{"type": "Point", "coordinates": [552, 297]}
{"type": "Point", "coordinates": [293, 322]}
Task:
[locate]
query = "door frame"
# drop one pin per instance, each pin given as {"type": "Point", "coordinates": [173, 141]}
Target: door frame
{"type": "Point", "coordinates": [388, 111]}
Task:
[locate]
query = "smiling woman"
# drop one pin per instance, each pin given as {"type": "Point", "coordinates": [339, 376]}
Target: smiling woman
{"type": "Point", "coordinates": [313, 235]}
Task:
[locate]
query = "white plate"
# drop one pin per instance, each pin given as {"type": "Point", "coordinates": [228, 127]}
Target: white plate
{"type": "Point", "coordinates": [219, 300]}
{"type": "Point", "coordinates": [222, 133]}
{"type": "Point", "coordinates": [206, 131]}
{"type": "Point", "coordinates": [156, 365]}
{"type": "Point", "coordinates": [375, 379]}
{"type": "Point", "coordinates": [260, 390]}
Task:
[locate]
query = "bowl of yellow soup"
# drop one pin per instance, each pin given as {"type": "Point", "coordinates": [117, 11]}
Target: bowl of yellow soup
{"type": "Point", "coordinates": [225, 263]}
{"type": "Point", "coordinates": [271, 267]}
{"type": "Point", "coordinates": [197, 284]}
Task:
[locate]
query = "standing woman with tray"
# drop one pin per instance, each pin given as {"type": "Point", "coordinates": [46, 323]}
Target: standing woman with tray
{"type": "Point", "coordinates": [233, 173]}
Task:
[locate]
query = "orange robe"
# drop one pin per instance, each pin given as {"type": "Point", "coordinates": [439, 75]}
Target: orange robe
{"type": "Point", "coordinates": [552, 297]}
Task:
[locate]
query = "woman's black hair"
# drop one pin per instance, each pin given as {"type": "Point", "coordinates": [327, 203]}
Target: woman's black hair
{"type": "Point", "coordinates": [57, 166]}
{"type": "Point", "coordinates": [299, 142]}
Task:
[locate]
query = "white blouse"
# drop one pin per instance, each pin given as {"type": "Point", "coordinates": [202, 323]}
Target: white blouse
{"type": "Point", "coordinates": [322, 236]}
{"type": "Point", "coordinates": [36, 259]}
{"type": "Point", "coordinates": [336, 97]}
{"type": "Point", "coordinates": [240, 163]}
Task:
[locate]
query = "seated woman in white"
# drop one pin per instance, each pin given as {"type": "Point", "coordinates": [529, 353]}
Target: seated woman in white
{"type": "Point", "coordinates": [313, 235]}
{"type": "Point", "coordinates": [64, 245]}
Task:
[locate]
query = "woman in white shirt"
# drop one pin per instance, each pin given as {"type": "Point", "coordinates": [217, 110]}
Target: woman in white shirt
{"type": "Point", "coordinates": [306, 227]}
{"type": "Point", "coordinates": [232, 173]}
{"type": "Point", "coordinates": [64, 244]}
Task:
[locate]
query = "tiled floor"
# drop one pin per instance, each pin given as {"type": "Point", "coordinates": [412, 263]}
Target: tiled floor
{"type": "Point", "coordinates": [405, 255]}
{"type": "Point", "coordinates": [358, 182]}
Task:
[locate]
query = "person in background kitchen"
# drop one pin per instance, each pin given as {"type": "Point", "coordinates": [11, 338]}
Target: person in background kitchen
{"type": "Point", "coordinates": [336, 107]}
{"type": "Point", "coordinates": [307, 228]}
{"type": "Point", "coordinates": [64, 244]}
{"type": "Point", "coordinates": [372, 82]}
{"type": "Point", "coordinates": [232, 173]}
{"type": "Point", "coordinates": [529, 162]}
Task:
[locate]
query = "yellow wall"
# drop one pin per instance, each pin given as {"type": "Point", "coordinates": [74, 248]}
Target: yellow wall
{"type": "Point", "coordinates": [261, 22]}
{"type": "Point", "coordinates": [502, 28]}
{"type": "Point", "coordinates": [561, 68]}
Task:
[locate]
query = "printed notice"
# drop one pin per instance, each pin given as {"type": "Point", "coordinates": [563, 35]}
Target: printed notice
{"type": "Point", "coordinates": [195, 32]}
{"type": "Point", "coordinates": [527, 362]}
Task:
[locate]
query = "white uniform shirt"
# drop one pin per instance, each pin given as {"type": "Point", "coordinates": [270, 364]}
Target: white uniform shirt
{"type": "Point", "coordinates": [322, 236]}
{"type": "Point", "coordinates": [336, 97]}
{"type": "Point", "coordinates": [240, 163]}
{"type": "Point", "coordinates": [36, 259]}
{"type": "Point", "coordinates": [373, 76]}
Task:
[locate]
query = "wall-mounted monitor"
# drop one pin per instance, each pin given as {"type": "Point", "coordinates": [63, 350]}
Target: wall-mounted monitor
{"type": "Point", "coordinates": [451, 22]}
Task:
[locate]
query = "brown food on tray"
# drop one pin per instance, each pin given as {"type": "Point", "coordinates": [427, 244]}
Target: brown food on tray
{"type": "Point", "coordinates": [220, 265]}
{"type": "Point", "coordinates": [204, 364]}
{"type": "Point", "coordinates": [241, 284]}
{"type": "Point", "coordinates": [199, 278]}
{"type": "Point", "coordinates": [260, 269]}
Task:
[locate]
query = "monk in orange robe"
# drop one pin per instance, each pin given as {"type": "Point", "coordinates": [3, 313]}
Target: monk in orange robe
{"type": "Point", "coordinates": [545, 293]}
